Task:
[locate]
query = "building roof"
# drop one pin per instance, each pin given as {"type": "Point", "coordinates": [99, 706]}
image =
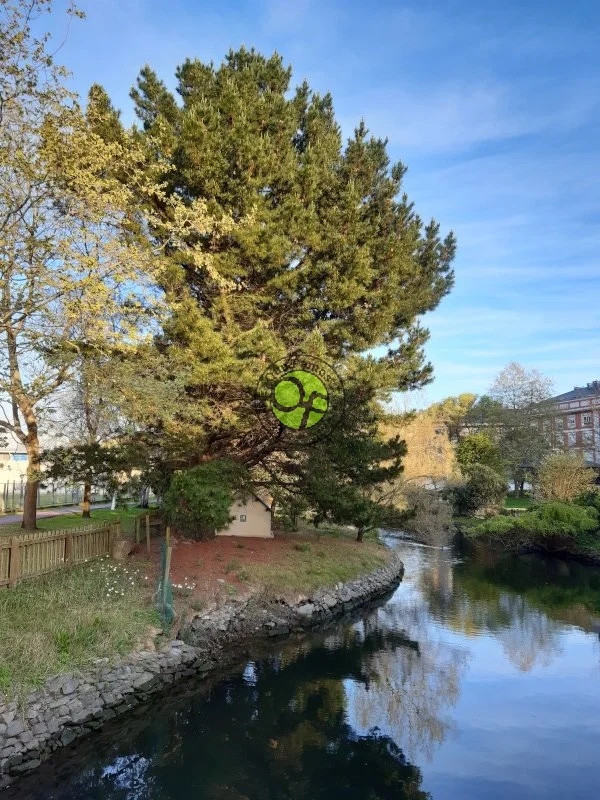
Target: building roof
{"type": "Point", "coordinates": [261, 494]}
{"type": "Point", "coordinates": [578, 393]}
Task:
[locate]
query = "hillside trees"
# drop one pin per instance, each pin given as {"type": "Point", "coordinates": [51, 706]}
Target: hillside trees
{"type": "Point", "coordinates": [454, 413]}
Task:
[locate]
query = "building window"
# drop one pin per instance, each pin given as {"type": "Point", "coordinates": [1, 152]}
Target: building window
{"type": "Point", "coordinates": [589, 456]}
{"type": "Point", "coordinates": [545, 424]}
{"type": "Point", "coordinates": [558, 423]}
{"type": "Point", "coordinates": [242, 518]}
{"type": "Point", "coordinates": [571, 421]}
{"type": "Point", "coordinates": [587, 419]}
{"type": "Point", "coordinates": [572, 438]}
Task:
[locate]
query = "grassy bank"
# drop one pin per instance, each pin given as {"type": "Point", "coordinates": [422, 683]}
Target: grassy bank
{"type": "Point", "coordinates": [314, 561]}
{"type": "Point", "coordinates": [61, 621]}
{"type": "Point", "coordinates": [552, 527]}
{"type": "Point", "coordinates": [518, 502]}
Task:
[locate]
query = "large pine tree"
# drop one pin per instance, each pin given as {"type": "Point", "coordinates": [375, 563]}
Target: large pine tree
{"type": "Point", "coordinates": [313, 245]}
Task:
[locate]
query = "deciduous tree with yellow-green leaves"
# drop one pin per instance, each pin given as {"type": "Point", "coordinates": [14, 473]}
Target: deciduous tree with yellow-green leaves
{"type": "Point", "coordinates": [72, 264]}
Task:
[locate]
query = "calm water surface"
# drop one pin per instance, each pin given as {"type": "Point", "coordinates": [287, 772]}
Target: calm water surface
{"type": "Point", "coordinates": [479, 678]}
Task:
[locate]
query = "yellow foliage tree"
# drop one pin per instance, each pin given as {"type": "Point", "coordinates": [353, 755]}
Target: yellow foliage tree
{"type": "Point", "coordinates": [563, 477]}
{"type": "Point", "coordinates": [74, 261]}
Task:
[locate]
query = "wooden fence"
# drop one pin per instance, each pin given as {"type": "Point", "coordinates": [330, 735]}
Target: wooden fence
{"type": "Point", "coordinates": [27, 555]}
{"type": "Point", "coordinates": [147, 525]}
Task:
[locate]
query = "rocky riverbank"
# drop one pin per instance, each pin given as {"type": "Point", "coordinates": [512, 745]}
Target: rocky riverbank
{"type": "Point", "coordinates": [71, 706]}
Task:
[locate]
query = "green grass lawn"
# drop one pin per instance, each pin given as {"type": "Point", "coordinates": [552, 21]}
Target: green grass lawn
{"type": "Point", "coordinates": [518, 502]}
{"type": "Point", "coordinates": [75, 520]}
{"type": "Point", "coordinates": [316, 560]}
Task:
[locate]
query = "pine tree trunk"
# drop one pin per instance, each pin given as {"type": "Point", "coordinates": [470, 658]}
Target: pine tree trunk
{"type": "Point", "coordinates": [87, 500]}
{"type": "Point", "coordinates": [359, 534]}
{"type": "Point", "coordinates": [113, 502]}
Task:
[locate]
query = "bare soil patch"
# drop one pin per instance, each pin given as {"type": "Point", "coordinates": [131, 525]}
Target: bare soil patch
{"type": "Point", "coordinates": [208, 573]}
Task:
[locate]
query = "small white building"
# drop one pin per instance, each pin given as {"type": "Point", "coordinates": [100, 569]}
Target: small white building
{"type": "Point", "coordinates": [13, 458]}
{"type": "Point", "coordinates": [251, 517]}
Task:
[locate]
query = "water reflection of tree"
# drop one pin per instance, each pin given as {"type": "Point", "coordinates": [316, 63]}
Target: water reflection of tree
{"type": "Point", "coordinates": [409, 689]}
{"type": "Point", "coordinates": [522, 601]}
{"type": "Point", "coordinates": [281, 731]}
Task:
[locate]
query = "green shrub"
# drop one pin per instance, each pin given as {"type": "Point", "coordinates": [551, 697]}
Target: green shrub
{"type": "Point", "coordinates": [591, 499]}
{"type": "Point", "coordinates": [483, 488]}
{"type": "Point", "coordinates": [197, 501]}
{"type": "Point", "coordinates": [478, 448]}
{"type": "Point", "coordinates": [542, 522]}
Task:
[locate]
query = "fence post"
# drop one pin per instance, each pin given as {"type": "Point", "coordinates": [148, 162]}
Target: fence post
{"type": "Point", "coordinates": [148, 533]}
{"type": "Point", "coordinates": [165, 583]}
{"type": "Point", "coordinates": [68, 549]}
{"type": "Point", "coordinates": [114, 534]}
{"type": "Point", "coordinates": [15, 559]}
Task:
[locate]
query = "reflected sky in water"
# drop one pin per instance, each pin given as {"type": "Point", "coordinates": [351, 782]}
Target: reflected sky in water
{"type": "Point", "coordinates": [479, 678]}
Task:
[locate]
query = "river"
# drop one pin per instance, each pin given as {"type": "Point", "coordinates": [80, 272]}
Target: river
{"type": "Point", "coordinates": [479, 678]}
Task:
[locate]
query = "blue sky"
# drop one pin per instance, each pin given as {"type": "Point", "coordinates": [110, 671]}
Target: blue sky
{"type": "Point", "coordinates": [493, 106]}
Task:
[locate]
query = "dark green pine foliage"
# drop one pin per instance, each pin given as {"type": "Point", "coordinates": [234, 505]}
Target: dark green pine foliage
{"type": "Point", "coordinates": [348, 477]}
{"type": "Point", "coordinates": [323, 250]}
{"type": "Point", "coordinates": [101, 115]}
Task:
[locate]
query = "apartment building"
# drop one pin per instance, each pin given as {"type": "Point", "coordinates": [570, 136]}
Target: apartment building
{"type": "Point", "coordinates": [573, 418]}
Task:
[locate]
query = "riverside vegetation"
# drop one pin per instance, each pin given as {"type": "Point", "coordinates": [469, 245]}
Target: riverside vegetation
{"type": "Point", "coordinates": [104, 609]}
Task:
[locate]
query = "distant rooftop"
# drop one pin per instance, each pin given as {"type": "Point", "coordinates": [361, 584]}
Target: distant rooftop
{"type": "Point", "coordinates": [578, 393]}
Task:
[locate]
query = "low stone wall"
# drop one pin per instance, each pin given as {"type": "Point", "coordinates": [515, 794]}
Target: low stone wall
{"type": "Point", "coordinates": [70, 706]}
{"type": "Point", "coordinates": [272, 616]}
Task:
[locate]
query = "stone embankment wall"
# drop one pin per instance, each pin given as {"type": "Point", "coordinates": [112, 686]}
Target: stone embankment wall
{"type": "Point", "coordinates": [70, 706]}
